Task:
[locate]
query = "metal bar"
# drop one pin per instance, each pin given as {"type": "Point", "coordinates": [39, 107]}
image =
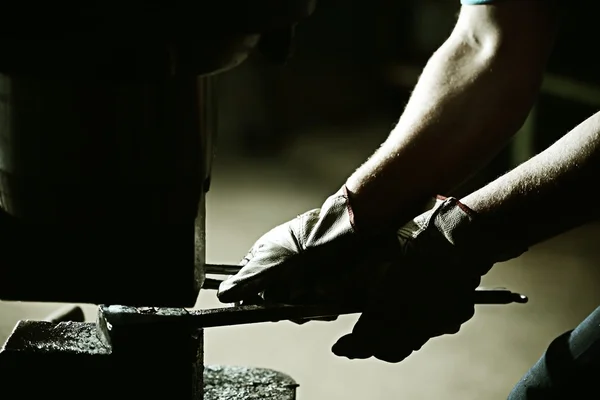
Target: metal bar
{"type": "Point", "coordinates": [482, 296]}
{"type": "Point", "coordinates": [221, 269]}
{"type": "Point", "coordinates": [211, 284]}
{"type": "Point", "coordinates": [114, 317]}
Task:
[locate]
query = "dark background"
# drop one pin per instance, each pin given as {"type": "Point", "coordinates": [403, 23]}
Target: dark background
{"type": "Point", "coordinates": [357, 59]}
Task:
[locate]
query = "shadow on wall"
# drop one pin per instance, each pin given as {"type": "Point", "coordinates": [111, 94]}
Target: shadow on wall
{"type": "Point", "coordinates": [334, 76]}
{"type": "Point", "coordinates": [261, 105]}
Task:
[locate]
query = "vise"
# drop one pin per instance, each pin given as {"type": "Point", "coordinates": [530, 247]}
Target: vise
{"type": "Point", "coordinates": [155, 352]}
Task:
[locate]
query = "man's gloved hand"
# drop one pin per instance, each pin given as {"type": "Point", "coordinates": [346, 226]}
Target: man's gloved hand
{"type": "Point", "coordinates": [413, 284]}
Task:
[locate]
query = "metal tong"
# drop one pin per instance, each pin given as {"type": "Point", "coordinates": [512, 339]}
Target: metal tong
{"type": "Point", "coordinates": [114, 321]}
{"type": "Point", "coordinates": [246, 314]}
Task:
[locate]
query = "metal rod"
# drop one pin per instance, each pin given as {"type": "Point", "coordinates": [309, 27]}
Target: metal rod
{"type": "Point", "coordinates": [482, 296]}
{"type": "Point", "coordinates": [211, 284]}
{"type": "Point", "coordinates": [221, 269]}
{"type": "Point", "coordinates": [118, 317]}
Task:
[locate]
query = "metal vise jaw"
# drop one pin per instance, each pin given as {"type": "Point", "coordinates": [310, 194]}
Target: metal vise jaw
{"type": "Point", "coordinates": [142, 353]}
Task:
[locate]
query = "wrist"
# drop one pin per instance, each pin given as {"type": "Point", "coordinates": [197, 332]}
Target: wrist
{"type": "Point", "coordinates": [372, 214]}
{"type": "Point", "coordinates": [486, 235]}
{"type": "Point", "coordinates": [367, 215]}
{"type": "Point", "coordinates": [466, 208]}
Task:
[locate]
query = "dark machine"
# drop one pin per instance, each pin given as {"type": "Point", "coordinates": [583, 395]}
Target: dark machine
{"type": "Point", "coordinates": [107, 132]}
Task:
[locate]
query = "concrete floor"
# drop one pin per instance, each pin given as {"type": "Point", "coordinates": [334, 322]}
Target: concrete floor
{"type": "Point", "coordinates": [482, 362]}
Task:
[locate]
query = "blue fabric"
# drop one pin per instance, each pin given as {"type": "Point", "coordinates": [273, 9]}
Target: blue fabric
{"type": "Point", "coordinates": [475, 2]}
{"type": "Point", "coordinates": [569, 369]}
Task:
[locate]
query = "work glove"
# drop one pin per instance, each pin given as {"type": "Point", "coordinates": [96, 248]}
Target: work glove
{"type": "Point", "coordinates": [413, 283]}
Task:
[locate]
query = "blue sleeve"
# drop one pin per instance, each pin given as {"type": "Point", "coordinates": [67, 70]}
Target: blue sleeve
{"type": "Point", "coordinates": [474, 2]}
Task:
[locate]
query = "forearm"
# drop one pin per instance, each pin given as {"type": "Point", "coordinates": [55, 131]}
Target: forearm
{"type": "Point", "coordinates": [472, 96]}
{"type": "Point", "coordinates": [549, 194]}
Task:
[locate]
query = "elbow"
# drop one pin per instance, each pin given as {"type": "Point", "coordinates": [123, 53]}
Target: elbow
{"type": "Point", "coordinates": [517, 35]}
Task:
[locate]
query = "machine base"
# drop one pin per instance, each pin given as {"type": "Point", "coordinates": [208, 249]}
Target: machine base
{"type": "Point", "coordinates": [244, 383]}
{"type": "Point", "coordinates": [70, 359]}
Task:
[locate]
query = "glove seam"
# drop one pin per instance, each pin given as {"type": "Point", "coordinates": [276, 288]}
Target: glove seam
{"type": "Point", "coordinates": [346, 195]}
{"type": "Point", "coordinates": [461, 205]}
{"type": "Point", "coordinates": [299, 243]}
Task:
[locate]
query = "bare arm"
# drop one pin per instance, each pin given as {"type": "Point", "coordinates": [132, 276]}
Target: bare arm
{"type": "Point", "coordinates": [550, 193]}
{"type": "Point", "coordinates": [472, 96]}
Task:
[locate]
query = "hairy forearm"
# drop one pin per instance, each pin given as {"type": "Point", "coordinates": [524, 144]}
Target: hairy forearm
{"type": "Point", "coordinates": [547, 195]}
{"type": "Point", "coordinates": [472, 96]}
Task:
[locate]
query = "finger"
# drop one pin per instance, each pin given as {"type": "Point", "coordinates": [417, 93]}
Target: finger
{"type": "Point", "coordinates": [392, 355]}
{"type": "Point", "coordinates": [303, 292]}
{"type": "Point", "coordinates": [303, 321]}
{"type": "Point", "coordinates": [397, 340]}
{"type": "Point", "coordinates": [239, 287]}
{"type": "Point", "coordinates": [391, 346]}
{"type": "Point", "coordinates": [353, 347]}
{"type": "Point", "coordinates": [324, 319]}
{"type": "Point", "coordinates": [451, 325]}
{"type": "Point", "coordinates": [394, 339]}
{"type": "Point", "coordinates": [229, 292]}
{"type": "Point", "coordinates": [451, 330]}
{"type": "Point", "coordinates": [359, 343]}
{"type": "Point", "coordinates": [300, 321]}
{"type": "Point", "coordinates": [245, 284]}
{"type": "Point", "coordinates": [253, 300]}
{"type": "Point", "coordinates": [348, 346]}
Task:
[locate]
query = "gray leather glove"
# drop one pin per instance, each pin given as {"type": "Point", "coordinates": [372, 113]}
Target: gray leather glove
{"type": "Point", "coordinates": [315, 258]}
{"type": "Point", "coordinates": [414, 283]}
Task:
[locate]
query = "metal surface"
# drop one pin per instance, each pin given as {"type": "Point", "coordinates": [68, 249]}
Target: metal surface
{"type": "Point", "coordinates": [39, 356]}
{"type": "Point", "coordinates": [222, 269]}
{"type": "Point", "coordinates": [116, 322]}
{"type": "Point", "coordinates": [159, 364]}
{"type": "Point", "coordinates": [242, 383]}
{"type": "Point", "coordinates": [150, 353]}
{"type": "Point", "coordinates": [140, 360]}
{"type": "Point", "coordinates": [211, 284]}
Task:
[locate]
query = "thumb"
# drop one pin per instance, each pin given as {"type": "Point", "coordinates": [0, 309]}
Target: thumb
{"type": "Point", "coordinates": [231, 290]}
{"type": "Point", "coordinates": [247, 283]}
